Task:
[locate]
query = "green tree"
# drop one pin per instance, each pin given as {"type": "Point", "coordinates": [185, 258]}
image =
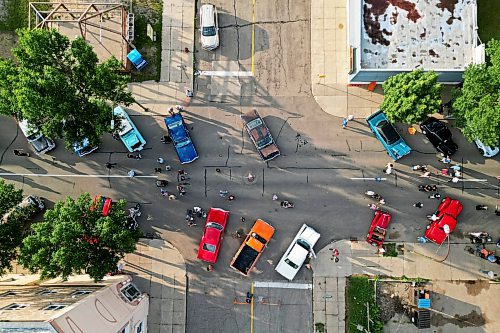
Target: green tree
{"type": "Point", "coordinates": [476, 105]}
{"type": "Point", "coordinates": [411, 97]}
{"type": "Point", "coordinates": [11, 229]}
{"type": "Point", "coordinates": [59, 86]}
{"type": "Point", "coordinates": [75, 238]}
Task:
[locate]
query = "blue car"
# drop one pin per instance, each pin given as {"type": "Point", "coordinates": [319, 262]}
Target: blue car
{"type": "Point", "coordinates": [128, 133]}
{"type": "Point", "coordinates": [180, 137]}
{"type": "Point", "coordinates": [84, 148]}
{"type": "Point", "coordinates": [386, 133]}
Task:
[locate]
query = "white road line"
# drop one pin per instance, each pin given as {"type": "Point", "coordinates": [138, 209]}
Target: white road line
{"type": "Point", "coordinates": [362, 178]}
{"type": "Point", "coordinates": [223, 73]}
{"type": "Point", "coordinates": [284, 285]}
{"type": "Point", "coordinates": [473, 180]}
{"type": "Point", "coordinates": [70, 175]}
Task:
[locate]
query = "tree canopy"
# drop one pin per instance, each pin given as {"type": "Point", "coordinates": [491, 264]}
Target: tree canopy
{"type": "Point", "coordinates": [60, 87]}
{"type": "Point", "coordinates": [476, 105]}
{"type": "Point", "coordinates": [411, 97]}
{"type": "Point", "coordinates": [75, 238]}
{"type": "Point", "coordinates": [11, 230]}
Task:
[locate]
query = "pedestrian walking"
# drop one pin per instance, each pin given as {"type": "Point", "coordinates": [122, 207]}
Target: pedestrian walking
{"type": "Point", "coordinates": [131, 173]}
{"type": "Point", "coordinates": [308, 266]}
{"type": "Point", "coordinates": [455, 167]}
{"type": "Point", "coordinates": [372, 206]}
{"type": "Point", "coordinates": [481, 207]}
{"type": "Point", "coordinates": [344, 123]}
{"type": "Point", "coordinates": [210, 268]}
{"type": "Point", "coordinates": [164, 193]}
{"type": "Point", "coordinates": [335, 255]}
{"type": "Point", "coordinates": [172, 197]}
{"type": "Point", "coordinates": [160, 160]}
{"type": "Point", "coordinates": [350, 117]}
{"type": "Point", "coordinates": [130, 155]}
{"type": "Point", "coordinates": [426, 174]}
{"type": "Point", "coordinates": [181, 190]}
{"type": "Point", "coordinates": [231, 197]}
{"type": "Point", "coordinates": [110, 165]}
{"type": "Point", "coordinates": [454, 180]}
{"type": "Point", "coordinates": [191, 223]}
{"type": "Point", "coordinates": [421, 239]}
{"type": "Point", "coordinates": [445, 172]}
{"type": "Point", "coordinates": [20, 152]}
{"type": "Point", "coordinates": [388, 168]}
{"type": "Point", "coordinates": [435, 196]}
{"type": "Point", "coordinates": [223, 193]}
{"type": "Point", "coordinates": [189, 93]}
{"type": "Point", "coordinates": [275, 197]}
{"type": "Point", "coordinates": [446, 160]}
{"type": "Point", "coordinates": [242, 219]}
{"type": "Point", "coordinates": [418, 205]}
{"type": "Point", "coordinates": [179, 108]}
{"type": "Point", "coordinates": [166, 139]}
{"type": "Point", "coordinates": [158, 170]}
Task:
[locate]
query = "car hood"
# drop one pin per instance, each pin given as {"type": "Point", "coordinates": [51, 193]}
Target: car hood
{"type": "Point", "coordinates": [186, 151]}
{"type": "Point", "coordinates": [400, 149]}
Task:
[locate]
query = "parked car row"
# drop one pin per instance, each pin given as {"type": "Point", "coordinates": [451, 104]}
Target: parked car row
{"type": "Point", "coordinates": [254, 244]}
{"type": "Point", "coordinates": [443, 223]}
{"type": "Point", "coordinates": [435, 130]}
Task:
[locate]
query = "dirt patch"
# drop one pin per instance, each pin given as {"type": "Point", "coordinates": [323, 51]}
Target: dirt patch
{"type": "Point", "coordinates": [8, 39]}
{"type": "Point", "coordinates": [475, 287]}
{"type": "Point", "coordinates": [469, 320]}
{"type": "Point", "coordinates": [391, 298]}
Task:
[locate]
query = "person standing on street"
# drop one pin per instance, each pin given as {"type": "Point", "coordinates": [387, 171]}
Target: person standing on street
{"type": "Point", "coordinates": [19, 152]}
{"type": "Point", "coordinates": [344, 123]}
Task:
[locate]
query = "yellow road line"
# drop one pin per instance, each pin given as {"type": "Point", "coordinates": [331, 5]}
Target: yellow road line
{"type": "Point", "coordinates": [253, 36]}
{"type": "Point", "coordinates": [251, 306]}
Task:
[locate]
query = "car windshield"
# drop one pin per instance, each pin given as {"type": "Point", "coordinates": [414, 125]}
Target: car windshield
{"type": "Point", "coordinates": [388, 132]}
{"type": "Point", "coordinates": [208, 31]}
{"type": "Point", "coordinates": [254, 123]}
{"type": "Point", "coordinates": [214, 225]}
{"type": "Point", "coordinates": [291, 263]}
{"type": "Point", "coordinates": [209, 247]}
{"type": "Point", "coordinates": [264, 141]}
{"type": "Point", "coordinates": [303, 244]}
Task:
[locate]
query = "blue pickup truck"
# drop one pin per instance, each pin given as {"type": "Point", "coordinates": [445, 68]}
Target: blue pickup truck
{"type": "Point", "coordinates": [179, 134]}
{"type": "Point", "coordinates": [389, 137]}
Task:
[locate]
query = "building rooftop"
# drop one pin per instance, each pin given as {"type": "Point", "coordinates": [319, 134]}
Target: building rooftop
{"type": "Point", "coordinates": [412, 34]}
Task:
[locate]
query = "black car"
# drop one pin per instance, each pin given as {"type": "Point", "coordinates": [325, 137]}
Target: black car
{"type": "Point", "coordinates": [439, 135]}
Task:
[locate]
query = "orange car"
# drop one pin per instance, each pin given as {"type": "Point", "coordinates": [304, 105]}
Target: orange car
{"type": "Point", "coordinates": [253, 246]}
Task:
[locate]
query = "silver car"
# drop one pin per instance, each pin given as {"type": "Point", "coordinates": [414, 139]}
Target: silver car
{"type": "Point", "coordinates": [39, 142]}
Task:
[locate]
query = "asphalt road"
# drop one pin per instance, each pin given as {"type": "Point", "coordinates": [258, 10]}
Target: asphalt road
{"type": "Point", "coordinates": [315, 171]}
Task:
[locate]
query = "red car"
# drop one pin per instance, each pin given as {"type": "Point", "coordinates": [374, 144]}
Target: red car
{"type": "Point", "coordinates": [378, 229]}
{"type": "Point", "coordinates": [213, 234]}
{"type": "Point", "coordinates": [102, 204]}
{"type": "Point", "coordinates": [447, 214]}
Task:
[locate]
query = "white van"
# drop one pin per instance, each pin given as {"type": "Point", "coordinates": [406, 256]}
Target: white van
{"type": "Point", "coordinates": [209, 27]}
{"type": "Point", "coordinates": [39, 142]}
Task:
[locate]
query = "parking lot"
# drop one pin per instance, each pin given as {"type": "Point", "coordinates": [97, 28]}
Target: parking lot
{"type": "Point", "coordinates": [323, 169]}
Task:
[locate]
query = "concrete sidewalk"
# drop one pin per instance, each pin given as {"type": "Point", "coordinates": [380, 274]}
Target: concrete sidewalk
{"type": "Point", "coordinates": [416, 261]}
{"type": "Point", "coordinates": [178, 34]}
{"type": "Point", "coordinates": [158, 269]}
{"type": "Point", "coordinates": [330, 64]}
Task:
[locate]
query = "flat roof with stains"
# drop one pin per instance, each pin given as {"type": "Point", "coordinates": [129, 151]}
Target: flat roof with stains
{"type": "Point", "coordinates": [412, 34]}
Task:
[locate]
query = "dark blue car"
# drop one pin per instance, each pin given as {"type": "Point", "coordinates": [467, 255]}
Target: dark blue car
{"type": "Point", "coordinates": [180, 136]}
{"type": "Point", "coordinates": [389, 137]}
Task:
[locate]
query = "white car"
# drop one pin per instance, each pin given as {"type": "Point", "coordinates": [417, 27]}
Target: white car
{"type": "Point", "coordinates": [485, 150]}
{"type": "Point", "coordinates": [297, 252]}
{"type": "Point", "coordinates": [209, 27]}
{"type": "Point", "coordinates": [39, 142]}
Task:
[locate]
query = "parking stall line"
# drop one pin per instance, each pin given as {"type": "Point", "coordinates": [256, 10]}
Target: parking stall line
{"type": "Point", "coordinates": [69, 175]}
{"type": "Point", "coordinates": [282, 285]}
{"type": "Point", "coordinates": [225, 73]}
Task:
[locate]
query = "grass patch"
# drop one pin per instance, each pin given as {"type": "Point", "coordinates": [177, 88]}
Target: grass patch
{"type": "Point", "coordinates": [360, 291]}
{"type": "Point", "coordinates": [148, 11]}
{"type": "Point", "coordinates": [487, 17]}
{"type": "Point", "coordinates": [390, 250]}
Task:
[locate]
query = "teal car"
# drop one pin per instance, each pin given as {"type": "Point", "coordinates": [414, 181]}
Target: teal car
{"type": "Point", "coordinates": [128, 133]}
{"type": "Point", "coordinates": [389, 137]}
